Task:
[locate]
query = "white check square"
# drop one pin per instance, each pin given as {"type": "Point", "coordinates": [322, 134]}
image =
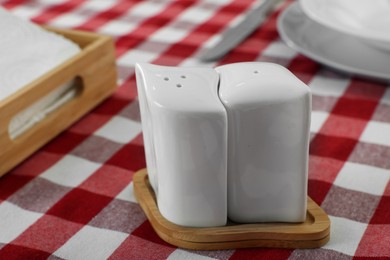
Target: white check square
{"type": "Point", "coordinates": [27, 12]}
{"type": "Point", "coordinates": [131, 57]}
{"type": "Point", "coordinates": [363, 178]}
{"type": "Point", "coordinates": [180, 254]}
{"type": "Point", "coordinates": [127, 193]}
{"type": "Point", "coordinates": [198, 14]}
{"type": "Point", "coordinates": [97, 6]}
{"type": "Point", "coordinates": [328, 86]}
{"type": "Point", "coordinates": [345, 235]}
{"type": "Point", "coordinates": [68, 20]}
{"type": "Point", "coordinates": [376, 133]}
{"type": "Point", "coordinates": [386, 97]}
{"type": "Point", "coordinates": [117, 28]}
{"type": "Point", "coordinates": [149, 8]}
{"type": "Point", "coordinates": [280, 50]}
{"type": "Point", "coordinates": [169, 35]}
{"type": "Point", "coordinates": [70, 171]}
{"type": "Point", "coordinates": [91, 243]}
{"type": "Point", "coordinates": [317, 120]}
{"type": "Point", "coordinates": [14, 220]}
{"type": "Point", "coordinates": [119, 129]}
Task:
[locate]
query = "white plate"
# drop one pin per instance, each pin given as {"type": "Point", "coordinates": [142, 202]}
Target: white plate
{"type": "Point", "coordinates": [362, 18]}
{"type": "Point", "coordinates": [332, 48]}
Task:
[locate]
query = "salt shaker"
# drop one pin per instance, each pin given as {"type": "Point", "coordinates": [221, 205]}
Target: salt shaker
{"type": "Point", "coordinates": [185, 133]}
{"type": "Point", "coordinates": [268, 138]}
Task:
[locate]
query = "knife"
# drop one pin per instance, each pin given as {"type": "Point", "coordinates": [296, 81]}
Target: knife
{"type": "Point", "coordinates": [244, 25]}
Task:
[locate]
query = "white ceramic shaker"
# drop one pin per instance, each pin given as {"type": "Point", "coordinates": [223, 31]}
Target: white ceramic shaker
{"type": "Point", "coordinates": [185, 133]}
{"type": "Point", "coordinates": [268, 137]}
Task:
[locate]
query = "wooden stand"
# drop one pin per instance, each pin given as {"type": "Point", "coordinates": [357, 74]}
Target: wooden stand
{"type": "Point", "coordinates": [312, 233]}
{"type": "Point", "coordinates": [95, 71]}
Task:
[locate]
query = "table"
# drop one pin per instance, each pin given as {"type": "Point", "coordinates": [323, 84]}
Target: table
{"type": "Point", "coordinates": [73, 199]}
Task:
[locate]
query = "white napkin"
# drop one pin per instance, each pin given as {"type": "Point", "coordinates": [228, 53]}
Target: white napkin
{"type": "Point", "coordinates": [27, 52]}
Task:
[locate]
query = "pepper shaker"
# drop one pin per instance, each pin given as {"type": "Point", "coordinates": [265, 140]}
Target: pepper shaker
{"type": "Point", "coordinates": [268, 112]}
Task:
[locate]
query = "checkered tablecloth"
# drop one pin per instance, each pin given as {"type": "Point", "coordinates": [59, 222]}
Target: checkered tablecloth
{"type": "Point", "coordinates": [73, 199]}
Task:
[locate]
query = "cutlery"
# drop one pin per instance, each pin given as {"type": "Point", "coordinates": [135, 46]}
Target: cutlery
{"type": "Point", "coordinates": [241, 28]}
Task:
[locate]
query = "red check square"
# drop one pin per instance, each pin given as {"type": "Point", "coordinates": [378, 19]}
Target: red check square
{"type": "Point", "coordinates": [79, 206]}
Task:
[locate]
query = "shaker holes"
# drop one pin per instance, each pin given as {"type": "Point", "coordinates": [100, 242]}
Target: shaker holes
{"type": "Point", "coordinates": [179, 85]}
{"type": "Point", "coordinates": [256, 72]}
{"type": "Point", "coordinates": [183, 76]}
{"type": "Point", "coordinates": [166, 78]}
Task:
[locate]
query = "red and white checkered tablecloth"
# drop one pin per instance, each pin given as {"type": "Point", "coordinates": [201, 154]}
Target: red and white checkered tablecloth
{"type": "Point", "coordinates": [73, 199]}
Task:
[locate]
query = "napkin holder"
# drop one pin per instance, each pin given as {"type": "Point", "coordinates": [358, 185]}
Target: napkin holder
{"type": "Point", "coordinates": [94, 72]}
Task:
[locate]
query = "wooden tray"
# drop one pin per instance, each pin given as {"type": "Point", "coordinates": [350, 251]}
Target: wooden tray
{"type": "Point", "coordinates": [95, 71]}
{"type": "Point", "coordinates": [314, 232]}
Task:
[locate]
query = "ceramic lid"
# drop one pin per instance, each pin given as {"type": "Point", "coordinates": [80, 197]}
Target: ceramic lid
{"type": "Point", "coordinates": [251, 82]}
{"type": "Point", "coordinates": [181, 89]}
